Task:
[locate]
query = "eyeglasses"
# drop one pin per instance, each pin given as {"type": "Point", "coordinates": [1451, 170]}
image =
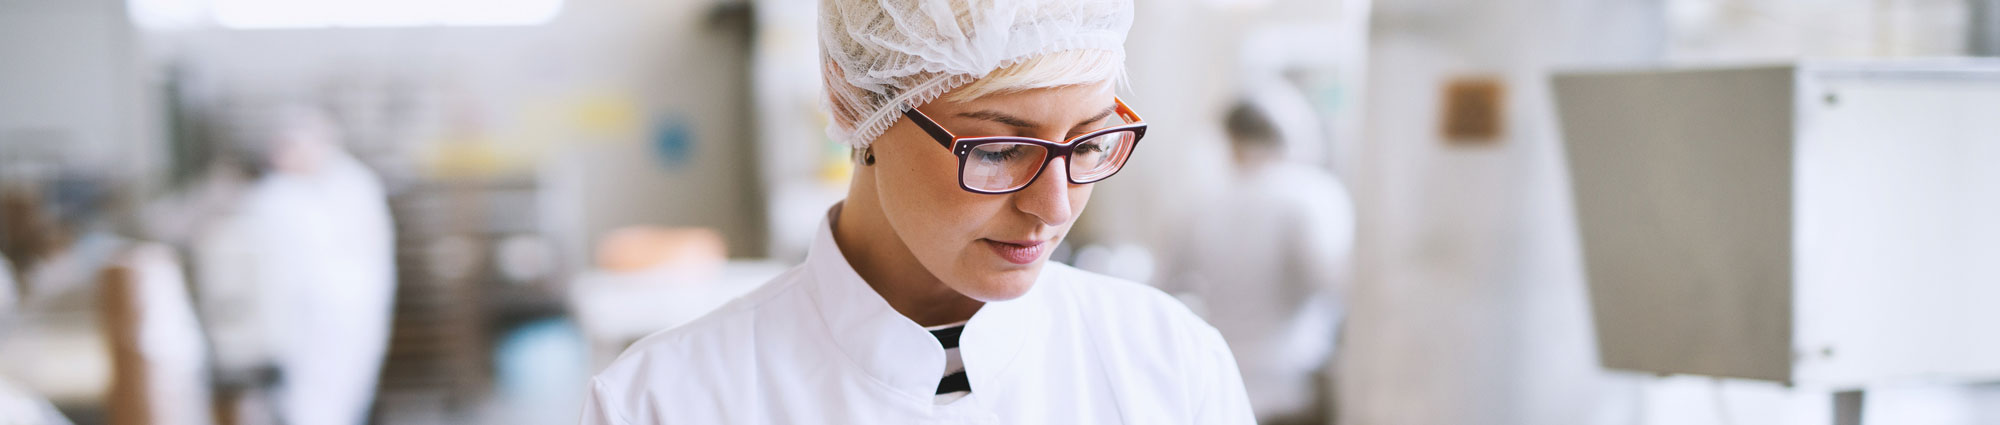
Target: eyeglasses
{"type": "Point", "coordinates": [1007, 164]}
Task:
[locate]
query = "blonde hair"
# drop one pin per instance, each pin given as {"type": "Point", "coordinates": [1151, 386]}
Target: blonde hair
{"type": "Point", "coordinates": [1058, 69]}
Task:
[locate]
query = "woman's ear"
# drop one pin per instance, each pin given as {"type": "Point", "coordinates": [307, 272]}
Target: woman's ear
{"type": "Point", "coordinates": [865, 156]}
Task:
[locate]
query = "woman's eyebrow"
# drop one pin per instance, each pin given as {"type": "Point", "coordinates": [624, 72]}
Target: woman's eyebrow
{"type": "Point", "coordinates": [1100, 116]}
{"type": "Point", "coordinates": [1010, 120]}
{"type": "Point", "coordinates": [1014, 121]}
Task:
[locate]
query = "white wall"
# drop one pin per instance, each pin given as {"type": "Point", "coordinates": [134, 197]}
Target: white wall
{"type": "Point", "coordinates": [68, 90]}
{"type": "Point", "coordinates": [1469, 304]}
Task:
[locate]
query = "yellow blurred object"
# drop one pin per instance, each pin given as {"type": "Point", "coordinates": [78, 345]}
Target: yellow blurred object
{"type": "Point", "coordinates": [632, 249]}
{"type": "Point", "coordinates": [836, 172]}
{"type": "Point", "coordinates": [472, 158]}
{"type": "Point", "coordinates": [608, 116]}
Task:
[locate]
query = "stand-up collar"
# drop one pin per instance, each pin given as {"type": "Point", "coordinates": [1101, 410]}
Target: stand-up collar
{"type": "Point", "coordinates": [894, 349]}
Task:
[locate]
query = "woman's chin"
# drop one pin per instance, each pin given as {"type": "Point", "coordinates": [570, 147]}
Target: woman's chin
{"type": "Point", "coordinates": [1002, 285]}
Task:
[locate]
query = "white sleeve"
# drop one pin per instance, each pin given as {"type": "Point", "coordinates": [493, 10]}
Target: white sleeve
{"type": "Point", "coordinates": [597, 409]}
{"type": "Point", "coordinates": [1224, 400]}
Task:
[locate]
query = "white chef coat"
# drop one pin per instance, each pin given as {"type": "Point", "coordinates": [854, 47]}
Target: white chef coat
{"type": "Point", "coordinates": [322, 261]}
{"type": "Point", "coordinates": [1267, 262]}
{"type": "Point", "coordinates": [818, 345]}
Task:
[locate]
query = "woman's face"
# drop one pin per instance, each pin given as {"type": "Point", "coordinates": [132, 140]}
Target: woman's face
{"type": "Point", "coordinates": [987, 247]}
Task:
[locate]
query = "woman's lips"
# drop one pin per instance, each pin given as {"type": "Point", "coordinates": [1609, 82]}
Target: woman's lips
{"type": "Point", "coordinates": [1018, 252]}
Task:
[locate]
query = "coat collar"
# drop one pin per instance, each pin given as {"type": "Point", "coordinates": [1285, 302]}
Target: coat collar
{"type": "Point", "coordinates": [895, 350]}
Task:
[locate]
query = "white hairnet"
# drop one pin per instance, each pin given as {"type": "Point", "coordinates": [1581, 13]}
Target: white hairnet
{"type": "Point", "coordinates": [881, 56]}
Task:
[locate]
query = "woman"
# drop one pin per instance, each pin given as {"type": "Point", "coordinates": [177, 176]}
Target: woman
{"type": "Point", "coordinates": [927, 296]}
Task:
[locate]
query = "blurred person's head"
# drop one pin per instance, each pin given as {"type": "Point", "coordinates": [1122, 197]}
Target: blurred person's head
{"type": "Point", "coordinates": [1253, 138]}
{"type": "Point", "coordinates": [302, 138]}
{"type": "Point", "coordinates": [42, 218]}
{"type": "Point", "coordinates": [289, 139]}
{"type": "Point", "coordinates": [1042, 69]}
{"type": "Point", "coordinates": [28, 233]}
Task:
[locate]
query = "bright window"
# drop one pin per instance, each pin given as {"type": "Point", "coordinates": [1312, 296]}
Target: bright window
{"type": "Point", "coordinates": [262, 14]}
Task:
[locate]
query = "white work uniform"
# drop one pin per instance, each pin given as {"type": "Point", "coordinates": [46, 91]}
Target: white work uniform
{"type": "Point", "coordinates": [323, 258]}
{"type": "Point", "coordinates": [1267, 262]}
{"type": "Point", "coordinates": [818, 345]}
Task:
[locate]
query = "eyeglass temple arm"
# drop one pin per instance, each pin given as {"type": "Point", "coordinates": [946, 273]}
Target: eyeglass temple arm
{"type": "Point", "coordinates": [924, 121]}
{"type": "Point", "coordinates": [1125, 111]}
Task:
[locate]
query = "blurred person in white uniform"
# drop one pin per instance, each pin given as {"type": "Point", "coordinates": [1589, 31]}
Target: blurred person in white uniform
{"type": "Point", "coordinates": [302, 275]}
{"type": "Point", "coordinates": [927, 296]}
{"type": "Point", "coordinates": [1267, 264]}
{"type": "Point", "coordinates": [23, 407]}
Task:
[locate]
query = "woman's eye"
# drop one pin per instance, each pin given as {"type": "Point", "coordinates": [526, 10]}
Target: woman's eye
{"type": "Point", "coordinates": [998, 154]}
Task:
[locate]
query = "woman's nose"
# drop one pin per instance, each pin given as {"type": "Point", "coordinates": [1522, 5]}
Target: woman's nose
{"type": "Point", "coordinates": [1048, 197]}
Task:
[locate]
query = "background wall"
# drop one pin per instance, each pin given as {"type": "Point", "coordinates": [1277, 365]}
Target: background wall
{"type": "Point", "coordinates": [69, 91]}
{"type": "Point", "coordinates": [635, 110]}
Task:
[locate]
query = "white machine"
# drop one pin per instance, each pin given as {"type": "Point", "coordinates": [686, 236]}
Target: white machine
{"type": "Point", "coordinates": [1827, 224]}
